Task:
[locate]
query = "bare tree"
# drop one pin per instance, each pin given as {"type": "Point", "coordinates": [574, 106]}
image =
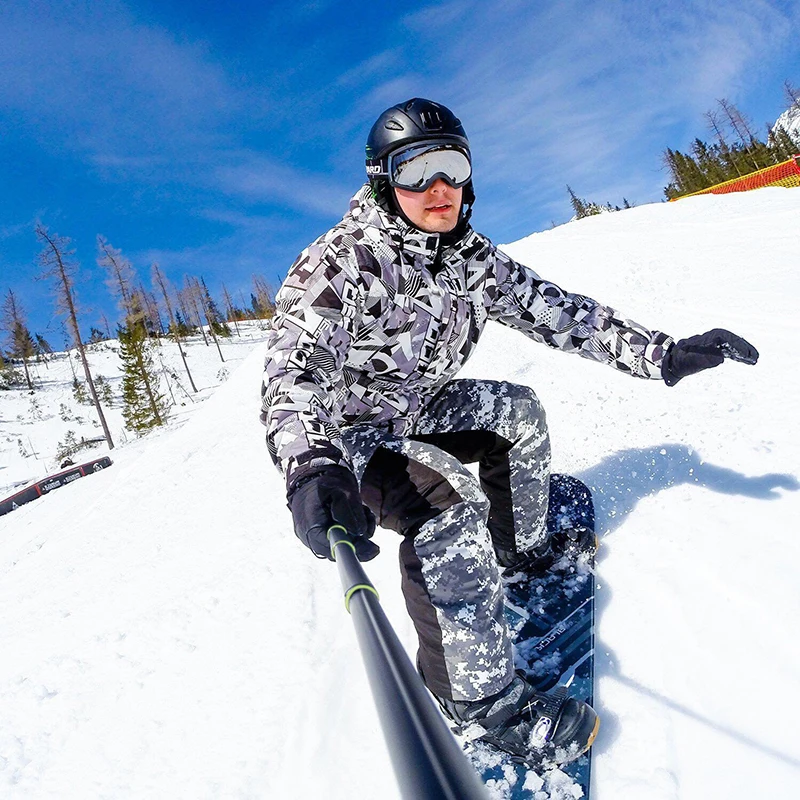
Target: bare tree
{"type": "Point", "coordinates": [55, 263]}
{"type": "Point", "coordinates": [200, 296]}
{"type": "Point", "coordinates": [740, 122]}
{"type": "Point", "coordinates": [714, 124]}
{"type": "Point", "coordinates": [153, 312]}
{"type": "Point", "coordinates": [741, 128]}
{"type": "Point", "coordinates": [148, 310]}
{"type": "Point", "coordinates": [792, 95]}
{"type": "Point", "coordinates": [189, 297]}
{"type": "Point", "coordinates": [248, 311]}
{"type": "Point", "coordinates": [264, 297]}
{"type": "Point", "coordinates": [121, 275]}
{"type": "Point", "coordinates": [68, 350]}
{"type": "Point", "coordinates": [160, 281]}
{"type": "Point", "coordinates": [105, 322]}
{"type": "Point", "coordinates": [184, 310]}
{"type": "Point", "coordinates": [134, 300]}
{"type": "Point", "coordinates": [20, 339]}
{"type": "Point", "coordinates": [230, 311]}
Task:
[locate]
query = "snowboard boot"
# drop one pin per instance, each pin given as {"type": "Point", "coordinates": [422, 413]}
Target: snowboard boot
{"type": "Point", "coordinates": [535, 728]}
{"type": "Point", "coordinates": [570, 542]}
{"type": "Point", "coordinates": [574, 542]}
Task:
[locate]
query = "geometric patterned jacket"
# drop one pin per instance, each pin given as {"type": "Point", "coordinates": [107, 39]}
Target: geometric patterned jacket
{"type": "Point", "coordinates": [372, 320]}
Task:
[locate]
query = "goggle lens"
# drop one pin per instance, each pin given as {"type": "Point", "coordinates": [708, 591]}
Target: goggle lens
{"type": "Point", "coordinates": [416, 168]}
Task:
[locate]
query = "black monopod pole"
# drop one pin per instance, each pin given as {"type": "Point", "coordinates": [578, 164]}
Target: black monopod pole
{"type": "Point", "coordinates": [427, 761]}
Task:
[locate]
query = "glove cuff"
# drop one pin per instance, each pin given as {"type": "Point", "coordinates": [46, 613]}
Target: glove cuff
{"type": "Point", "coordinates": [670, 377]}
{"type": "Point", "coordinates": [304, 477]}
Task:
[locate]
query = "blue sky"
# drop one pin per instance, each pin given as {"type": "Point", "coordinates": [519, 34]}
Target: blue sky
{"type": "Point", "coordinates": [220, 141]}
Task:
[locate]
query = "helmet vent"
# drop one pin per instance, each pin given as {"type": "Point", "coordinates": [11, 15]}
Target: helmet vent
{"type": "Point", "coordinates": [432, 119]}
{"type": "Point", "coordinates": [393, 125]}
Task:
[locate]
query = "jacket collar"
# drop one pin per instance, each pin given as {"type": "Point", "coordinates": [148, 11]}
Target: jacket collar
{"type": "Point", "coordinates": [366, 211]}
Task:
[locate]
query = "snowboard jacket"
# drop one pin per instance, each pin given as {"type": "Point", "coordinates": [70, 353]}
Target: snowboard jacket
{"type": "Point", "coordinates": [376, 316]}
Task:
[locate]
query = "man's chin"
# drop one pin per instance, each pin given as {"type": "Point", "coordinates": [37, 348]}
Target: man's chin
{"type": "Point", "coordinates": [440, 226]}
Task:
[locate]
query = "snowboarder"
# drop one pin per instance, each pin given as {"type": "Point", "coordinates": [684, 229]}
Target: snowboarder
{"type": "Point", "coordinates": [367, 423]}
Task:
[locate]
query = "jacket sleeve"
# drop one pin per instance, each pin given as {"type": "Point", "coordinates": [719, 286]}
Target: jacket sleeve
{"type": "Point", "coordinates": [573, 322]}
{"type": "Point", "coordinates": [317, 313]}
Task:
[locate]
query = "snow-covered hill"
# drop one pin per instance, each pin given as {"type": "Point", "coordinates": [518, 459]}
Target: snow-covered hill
{"type": "Point", "coordinates": [34, 424]}
{"type": "Point", "coordinates": [790, 121]}
{"type": "Point", "coordinates": [164, 635]}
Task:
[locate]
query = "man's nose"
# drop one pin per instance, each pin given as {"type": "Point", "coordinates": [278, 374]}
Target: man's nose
{"type": "Point", "coordinates": [438, 186]}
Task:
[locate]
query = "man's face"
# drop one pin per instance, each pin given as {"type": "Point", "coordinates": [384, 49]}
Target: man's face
{"type": "Point", "coordinates": [435, 210]}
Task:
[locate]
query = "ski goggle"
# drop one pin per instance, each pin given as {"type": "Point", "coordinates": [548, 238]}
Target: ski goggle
{"type": "Point", "coordinates": [416, 167]}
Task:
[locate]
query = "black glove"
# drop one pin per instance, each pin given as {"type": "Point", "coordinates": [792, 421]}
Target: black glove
{"type": "Point", "coordinates": [331, 497]}
{"type": "Point", "coordinates": [703, 351]}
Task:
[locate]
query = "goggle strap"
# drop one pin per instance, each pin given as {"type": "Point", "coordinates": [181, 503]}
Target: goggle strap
{"type": "Point", "coordinates": [375, 167]}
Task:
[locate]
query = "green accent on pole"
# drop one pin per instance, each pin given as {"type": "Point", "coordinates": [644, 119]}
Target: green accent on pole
{"type": "Point", "coordinates": [346, 540]}
{"type": "Point", "coordinates": [342, 541]}
{"type": "Point", "coordinates": [353, 589]}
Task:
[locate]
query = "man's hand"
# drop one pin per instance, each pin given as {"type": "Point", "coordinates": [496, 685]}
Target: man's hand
{"type": "Point", "coordinates": [331, 497]}
{"type": "Point", "coordinates": [710, 349]}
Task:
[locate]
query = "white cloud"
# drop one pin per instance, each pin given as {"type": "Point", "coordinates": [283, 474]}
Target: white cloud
{"type": "Point", "coordinates": [586, 91]}
{"type": "Point", "coordinates": [11, 231]}
{"type": "Point", "coordinates": [91, 78]}
{"type": "Point", "coordinates": [370, 68]}
{"type": "Point", "coordinates": [258, 179]}
{"type": "Point", "coordinates": [581, 91]}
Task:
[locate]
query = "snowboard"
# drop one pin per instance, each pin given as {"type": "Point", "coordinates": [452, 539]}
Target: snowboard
{"type": "Point", "coordinates": [551, 619]}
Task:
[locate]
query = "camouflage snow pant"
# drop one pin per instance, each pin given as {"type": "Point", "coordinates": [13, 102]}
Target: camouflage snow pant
{"type": "Point", "coordinates": [453, 525]}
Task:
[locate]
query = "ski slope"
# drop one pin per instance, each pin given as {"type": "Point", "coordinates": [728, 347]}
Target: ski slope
{"type": "Point", "coordinates": [164, 635]}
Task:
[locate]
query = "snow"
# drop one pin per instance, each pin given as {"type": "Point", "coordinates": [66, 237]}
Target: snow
{"type": "Point", "coordinates": [163, 634]}
{"type": "Point", "coordinates": [790, 121]}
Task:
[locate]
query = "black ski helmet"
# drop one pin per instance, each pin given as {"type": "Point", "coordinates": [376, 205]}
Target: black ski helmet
{"type": "Point", "coordinates": [416, 120]}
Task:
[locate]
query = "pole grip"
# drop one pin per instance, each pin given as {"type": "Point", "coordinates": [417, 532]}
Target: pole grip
{"type": "Point", "coordinates": [351, 572]}
{"type": "Point", "coordinates": [427, 761]}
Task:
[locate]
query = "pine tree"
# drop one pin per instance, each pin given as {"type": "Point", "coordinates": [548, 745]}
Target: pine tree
{"type": "Point", "coordinates": [180, 327]}
{"type": "Point", "coordinates": [79, 392]}
{"type": "Point", "coordinates": [43, 349]}
{"type": "Point", "coordinates": [722, 161]}
{"type": "Point", "coordinates": [708, 164]}
{"type": "Point", "coordinates": [8, 375]}
{"type": "Point", "coordinates": [576, 203]}
{"type": "Point", "coordinates": [143, 405]}
{"type": "Point", "coordinates": [22, 345]}
{"type": "Point", "coordinates": [43, 345]}
{"type": "Point", "coordinates": [105, 390]}
{"type": "Point", "coordinates": [215, 319]}
{"type": "Point", "coordinates": [671, 190]}
{"type": "Point", "coordinates": [587, 208]}
{"type": "Point", "coordinates": [781, 141]}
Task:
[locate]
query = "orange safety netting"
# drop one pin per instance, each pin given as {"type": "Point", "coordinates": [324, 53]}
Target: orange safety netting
{"type": "Point", "coordinates": [787, 173]}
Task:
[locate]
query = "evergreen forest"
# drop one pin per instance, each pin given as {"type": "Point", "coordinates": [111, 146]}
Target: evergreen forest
{"type": "Point", "coordinates": [735, 150]}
